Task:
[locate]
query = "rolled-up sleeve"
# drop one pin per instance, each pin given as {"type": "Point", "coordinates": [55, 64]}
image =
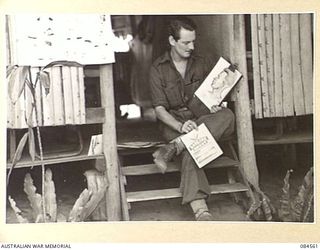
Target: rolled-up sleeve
{"type": "Point", "coordinates": [157, 92]}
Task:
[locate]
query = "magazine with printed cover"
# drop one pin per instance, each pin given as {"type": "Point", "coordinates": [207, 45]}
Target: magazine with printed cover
{"type": "Point", "coordinates": [218, 84]}
{"type": "Point", "coordinates": [201, 145]}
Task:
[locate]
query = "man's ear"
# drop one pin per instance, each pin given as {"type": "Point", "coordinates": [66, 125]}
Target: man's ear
{"type": "Point", "coordinates": [172, 41]}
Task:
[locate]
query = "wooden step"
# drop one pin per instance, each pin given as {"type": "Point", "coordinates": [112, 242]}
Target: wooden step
{"type": "Point", "coordinates": [146, 169]}
{"type": "Point", "coordinates": [175, 192]}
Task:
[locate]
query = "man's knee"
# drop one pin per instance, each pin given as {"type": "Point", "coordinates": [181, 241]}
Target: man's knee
{"type": "Point", "coordinates": [228, 121]}
{"type": "Point", "coordinates": [228, 115]}
{"type": "Point", "coordinates": [220, 124]}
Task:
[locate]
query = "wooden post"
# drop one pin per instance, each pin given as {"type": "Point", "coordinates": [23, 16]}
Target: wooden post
{"type": "Point", "coordinates": [110, 143]}
{"type": "Point", "coordinates": [242, 105]}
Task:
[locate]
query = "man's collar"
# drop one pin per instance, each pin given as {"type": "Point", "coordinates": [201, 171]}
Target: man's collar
{"type": "Point", "coordinates": [167, 58]}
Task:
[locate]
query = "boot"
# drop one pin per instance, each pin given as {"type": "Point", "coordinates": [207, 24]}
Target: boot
{"type": "Point", "coordinates": [200, 210]}
{"type": "Point", "coordinates": [163, 155]}
{"type": "Point", "coordinates": [203, 215]}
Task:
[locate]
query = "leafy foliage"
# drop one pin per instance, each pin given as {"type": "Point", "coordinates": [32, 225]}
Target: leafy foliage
{"type": "Point", "coordinates": [44, 207]}
{"type": "Point", "coordinates": [50, 196]}
{"type": "Point", "coordinates": [292, 209]}
{"type": "Point", "coordinates": [261, 209]}
{"type": "Point", "coordinates": [84, 206]}
{"type": "Point", "coordinates": [17, 211]}
{"type": "Point", "coordinates": [17, 154]}
{"type": "Point", "coordinates": [298, 208]}
{"type": "Point", "coordinates": [16, 77]}
{"type": "Point", "coordinates": [34, 198]}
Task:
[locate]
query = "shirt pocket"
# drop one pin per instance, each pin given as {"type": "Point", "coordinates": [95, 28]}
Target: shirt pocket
{"type": "Point", "coordinates": [174, 96]}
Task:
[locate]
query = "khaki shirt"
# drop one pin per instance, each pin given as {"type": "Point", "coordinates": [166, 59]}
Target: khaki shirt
{"type": "Point", "coordinates": [168, 88]}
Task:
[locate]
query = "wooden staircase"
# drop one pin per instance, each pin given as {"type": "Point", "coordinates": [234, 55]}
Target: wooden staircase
{"type": "Point", "coordinates": [235, 184]}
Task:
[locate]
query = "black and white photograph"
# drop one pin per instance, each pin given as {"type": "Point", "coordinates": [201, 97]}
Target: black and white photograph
{"type": "Point", "coordinates": [106, 122]}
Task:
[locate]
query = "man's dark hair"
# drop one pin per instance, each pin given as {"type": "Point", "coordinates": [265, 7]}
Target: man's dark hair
{"type": "Point", "coordinates": [177, 23]}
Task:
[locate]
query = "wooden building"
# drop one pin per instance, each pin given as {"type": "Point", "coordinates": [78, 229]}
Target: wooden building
{"type": "Point", "coordinates": [273, 52]}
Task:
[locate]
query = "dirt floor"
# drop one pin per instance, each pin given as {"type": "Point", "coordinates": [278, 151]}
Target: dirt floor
{"type": "Point", "coordinates": [70, 181]}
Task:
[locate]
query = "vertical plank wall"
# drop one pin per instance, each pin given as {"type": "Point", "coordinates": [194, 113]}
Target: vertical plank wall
{"type": "Point", "coordinates": [305, 24]}
{"type": "Point", "coordinates": [298, 96]}
{"type": "Point", "coordinates": [48, 105]}
{"type": "Point", "coordinates": [67, 95]}
{"type": "Point", "coordinates": [256, 67]}
{"type": "Point", "coordinates": [269, 60]}
{"type": "Point", "coordinates": [286, 66]}
{"type": "Point", "coordinates": [263, 66]}
{"type": "Point", "coordinates": [61, 102]}
{"type": "Point", "coordinates": [277, 66]}
{"type": "Point", "coordinates": [56, 79]}
{"type": "Point", "coordinates": [282, 64]}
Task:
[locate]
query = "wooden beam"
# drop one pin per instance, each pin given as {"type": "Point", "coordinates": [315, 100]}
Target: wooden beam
{"type": "Point", "coordinates": [289, 138]}
{"type": "Point", "coordinates": [110, 143]}
{"type": "Point", "coordinates": [242, 106]}
{"type": "Point", "coordinates": [27, 162]}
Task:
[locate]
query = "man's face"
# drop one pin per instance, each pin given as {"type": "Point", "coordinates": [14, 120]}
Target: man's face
{"type": "Point", "coordinates": [184, 46]}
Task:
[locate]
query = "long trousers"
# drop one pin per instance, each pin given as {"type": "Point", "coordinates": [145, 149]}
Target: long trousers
{"type": "Point", "coordinates": [194, 183]}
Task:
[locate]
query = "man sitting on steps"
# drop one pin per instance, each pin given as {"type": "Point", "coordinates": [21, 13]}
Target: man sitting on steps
{"type": "Point", "coordinates": [174, 77]}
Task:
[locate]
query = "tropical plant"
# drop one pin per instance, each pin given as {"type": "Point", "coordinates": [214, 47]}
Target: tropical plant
{"type": "Point", "coordinates": [87, 202]}
{"type": "Point", "coordinates": [19, 78]}
{"type": "Point", "coordinates": [298, 208]}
